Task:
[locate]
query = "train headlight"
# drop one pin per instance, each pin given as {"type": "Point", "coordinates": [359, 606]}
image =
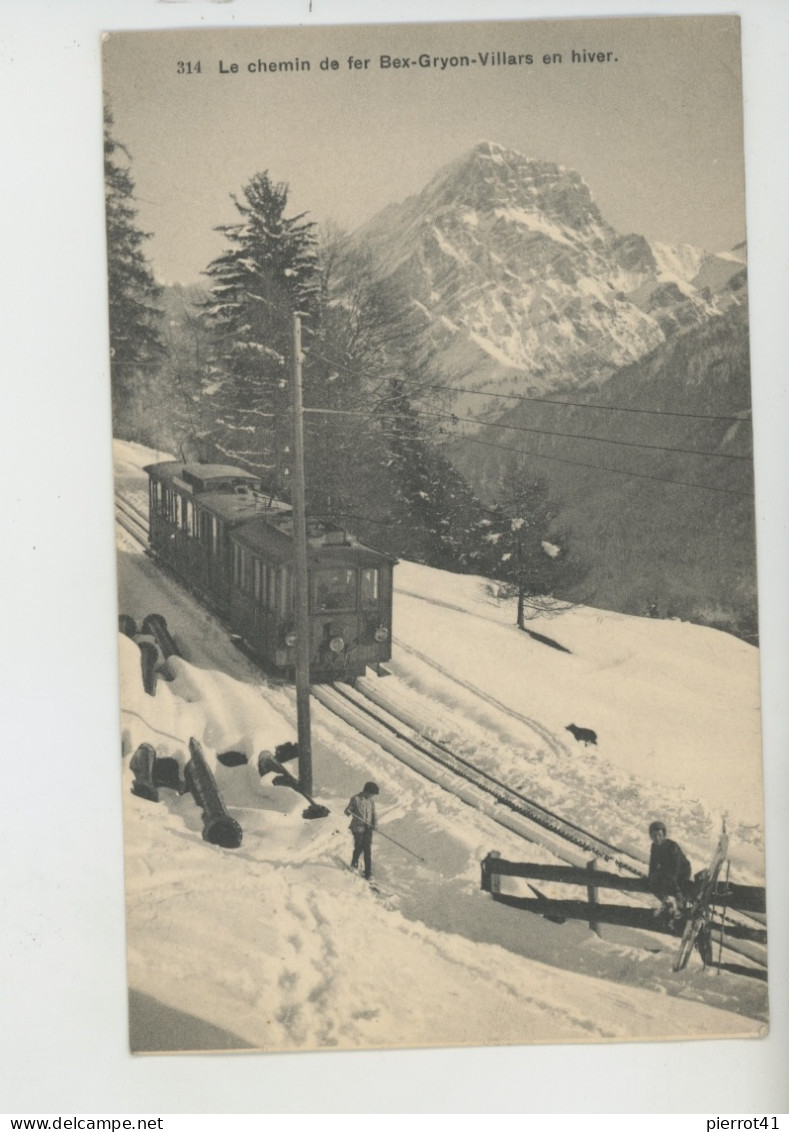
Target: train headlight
{"type": "Point", "coordinates": [336, 644]}
{"type": "Point", "coordinates": [290, 640]}
{"type": "Point", "coordinates": [381, 634]}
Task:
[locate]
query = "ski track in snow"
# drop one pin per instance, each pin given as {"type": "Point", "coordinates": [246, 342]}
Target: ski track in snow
{"type": "Point", "coordinates": [278, 944]}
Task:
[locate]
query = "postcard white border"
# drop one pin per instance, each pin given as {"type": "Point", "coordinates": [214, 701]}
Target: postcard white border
{"type": "Point", "coordinates": [64, 1040]}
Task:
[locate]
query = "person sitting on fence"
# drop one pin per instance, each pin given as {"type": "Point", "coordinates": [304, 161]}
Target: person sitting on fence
{"type": "Point", "coordinates": [669, 871]}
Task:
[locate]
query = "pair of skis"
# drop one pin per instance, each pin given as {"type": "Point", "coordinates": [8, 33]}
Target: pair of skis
{"type": "Point", "coordinates": [389, 899]}
{"type": "Point", "coordinates": [697, 928]}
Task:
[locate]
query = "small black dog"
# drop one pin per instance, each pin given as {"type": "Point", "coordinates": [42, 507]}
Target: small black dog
{"type": "Point", "coordinates": [583, 735]}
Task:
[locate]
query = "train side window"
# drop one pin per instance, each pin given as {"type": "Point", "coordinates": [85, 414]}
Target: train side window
{"type": "Point", "coordinates": [257, 576]}
{"type": "Point", "coordinates": [269, 586]}
{"type": "Point", "coordinates": [241, 571]}
{"type": "Point", "coordinates": [335, 590]}
{"type": "Point", "coordinates": [285, 591]}
{"type": "Point", "coordinates": [369, 589]}
{"type": "Point", "coordinates": [246, 571]}
{"type": "Point", "coordinates": [189, 517]}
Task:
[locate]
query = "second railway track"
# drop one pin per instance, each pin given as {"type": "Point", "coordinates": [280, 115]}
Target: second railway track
{"type": "Point", "coordinates": [533, 821]}
{"type": "Point", "coordinates": [509, 808]}
{"type": "Point", "coordinates": [131, 519]}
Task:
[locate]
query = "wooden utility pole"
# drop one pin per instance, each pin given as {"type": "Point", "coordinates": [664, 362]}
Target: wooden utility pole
{"type": "Point", "coordinates": [301, 594]}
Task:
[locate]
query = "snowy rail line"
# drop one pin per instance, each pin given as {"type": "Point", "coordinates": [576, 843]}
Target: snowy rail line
{"type": "Point", "coordinates": [386, 725]}
{"type": "Point", "coordinates": [131, 519]}
{"type": "Point", "coordinates": [542, 732]}
{"type": "Point", "coordinates": [438, 753]}
{"type": "Point", "coordinates": [470, 701]}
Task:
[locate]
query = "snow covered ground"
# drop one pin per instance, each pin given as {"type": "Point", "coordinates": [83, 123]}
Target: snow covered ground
{"type": "Point", "coordinates": [277, 946]}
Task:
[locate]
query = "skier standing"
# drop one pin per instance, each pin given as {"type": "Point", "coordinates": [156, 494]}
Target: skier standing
{"type": "Point", "coordinates": [361, 810]}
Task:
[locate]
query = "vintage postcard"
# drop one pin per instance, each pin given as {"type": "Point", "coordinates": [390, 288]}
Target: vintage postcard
{"type": "Point", "coordinates": [439, 650]}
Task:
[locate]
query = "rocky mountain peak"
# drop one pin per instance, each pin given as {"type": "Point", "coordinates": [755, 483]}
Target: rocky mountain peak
{"type": "Point", "coordinates": [491, 177]}
{"type": "Point", "coordinates": [522, 282]}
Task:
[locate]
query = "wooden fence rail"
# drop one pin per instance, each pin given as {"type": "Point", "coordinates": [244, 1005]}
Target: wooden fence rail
{"type": "Point", "coordinates": [735, 897]}
{"type": "Point", "coordinates": [738, 897]}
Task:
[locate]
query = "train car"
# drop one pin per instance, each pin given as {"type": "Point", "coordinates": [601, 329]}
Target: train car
{"type": "Point", "coordinates": [349, 594]}
{"type": "Point", "coordinates": [233, 544]}
{"type": "Point", "coordinates": [192, 508]}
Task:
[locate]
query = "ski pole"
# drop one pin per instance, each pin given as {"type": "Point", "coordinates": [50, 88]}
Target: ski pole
{"type": "Point", "coordinates": [388, 838]}
{"type": "Point", "coordinates": [723, 916]}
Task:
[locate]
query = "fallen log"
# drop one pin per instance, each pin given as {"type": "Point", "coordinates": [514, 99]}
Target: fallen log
{"type": "Point", "coordinates": [219, 828]}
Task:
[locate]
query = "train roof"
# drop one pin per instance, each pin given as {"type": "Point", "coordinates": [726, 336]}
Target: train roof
{"type": "Point", "coordinates": [230, 493]}
{"type": "Point", "coordinates": [271, 536]}
{"type": "Point", "coordinates": [202, 477]}
{"type": "Point", "coordinates": [240, 506]}
{"type": "Point", "coordinates": [258, 521]}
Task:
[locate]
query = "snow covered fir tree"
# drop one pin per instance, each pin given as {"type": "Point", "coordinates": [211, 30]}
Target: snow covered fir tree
{"type": "Point", "coordinates": [136, 348]}
{"type": "Point", "coordinates": [268, 273]}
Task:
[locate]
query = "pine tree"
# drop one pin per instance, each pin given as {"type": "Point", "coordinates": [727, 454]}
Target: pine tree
{"type": "Point", "coordinates": [366, 332]}
{"type": "Point", "coordinates": [135, 343]}
{"type": "Point", "coordinates": [267, 273]}
{"type": "Point", "coordinates": [372, 455]}
{"type": "Point", "coordinates": [525, 548]}
{"type": "Point", "coordinates": [440, 512]}
{"type": "Point", "coordinates": [182, 376]}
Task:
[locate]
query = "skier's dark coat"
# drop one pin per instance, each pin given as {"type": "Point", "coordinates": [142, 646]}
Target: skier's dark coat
{"type": "Point", "coordinates": [669, 870]}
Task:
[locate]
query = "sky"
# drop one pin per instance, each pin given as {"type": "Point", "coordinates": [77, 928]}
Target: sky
{"type": "Point", "coordinates": [655, 129]}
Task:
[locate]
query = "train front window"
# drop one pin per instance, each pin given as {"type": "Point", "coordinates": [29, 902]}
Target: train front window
{"type": "Point", "coordinates": [369, 589]}
{"type": "Point", "coordinates": [335, 590]}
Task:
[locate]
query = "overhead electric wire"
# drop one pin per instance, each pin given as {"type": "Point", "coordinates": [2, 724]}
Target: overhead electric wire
{"type": "Point", "coordinates": [600, 468]}
{"type": "Point", "coordinates": [566, 460]}
{"type": "Point", "coordinates": [455, 419]}
{"type": "Point", "coordinates": [538, 400]}
{"type": "Point", "coordinates": [578, 404]}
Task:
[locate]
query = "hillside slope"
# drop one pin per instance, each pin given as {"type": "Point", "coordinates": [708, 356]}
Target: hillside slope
{"type": "Point", "coordinates": [653, 541]}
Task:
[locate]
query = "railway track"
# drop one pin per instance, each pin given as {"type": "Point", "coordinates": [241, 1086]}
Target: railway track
{"type": "Point", "coordinates": [542, 732]}
{"type": "Point", "coordinates": [506, 802]}
{"type": "Point", "coordinates": [131, 519]}
{"type": "Point", "coordinates": [485, 787]}
{"type": "Point", "coordinates": [487, 794]}
{"type": "Point", "coordinates": [458, 775]}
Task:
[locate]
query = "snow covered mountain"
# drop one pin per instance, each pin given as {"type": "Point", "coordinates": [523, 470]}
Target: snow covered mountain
{"type": "Point", "coordinates": [523, 283]}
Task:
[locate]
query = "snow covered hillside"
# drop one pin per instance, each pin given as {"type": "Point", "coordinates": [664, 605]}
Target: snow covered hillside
{"type": "Point", "coordinates": [277, 945]}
